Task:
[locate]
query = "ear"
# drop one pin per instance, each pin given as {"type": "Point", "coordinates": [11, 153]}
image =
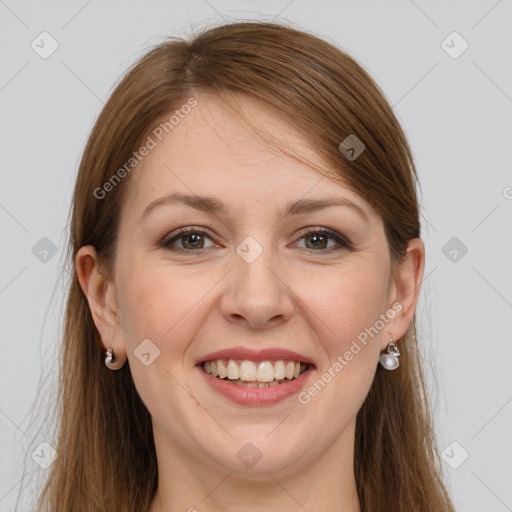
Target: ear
{"type": "Point", "coordinates": [100, 294]}
{"type": "Point", "coordinates": [404, 290]}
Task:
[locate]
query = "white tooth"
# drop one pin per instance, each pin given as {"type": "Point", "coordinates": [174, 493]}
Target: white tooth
{"type": "Point", "coordinates": [279, 370]}
{"type": "Point", "coordinates": [233, 370]}
{"type": "Point", "coordinates": [250, 384]}
{"type": "Point", "coordinates": [247, 370]}
{"type": "Point", "coordinates": [290, 367]}
{"type": "Point", "coordinates": [273, 383]}
{"type": "Point", "coordinates": [221, 369]}
{"type": "Point", "coordinates": [263, 384]}
{"type": "Point", "coordinates": [265, 372]}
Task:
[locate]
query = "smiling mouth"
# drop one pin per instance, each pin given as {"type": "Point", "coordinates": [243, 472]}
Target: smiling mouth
{"type": "Point", "coordinates": [261, 374]}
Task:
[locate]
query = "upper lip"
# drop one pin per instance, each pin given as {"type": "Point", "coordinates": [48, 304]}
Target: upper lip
{"type": "Point", "coordinates": [265, 354]}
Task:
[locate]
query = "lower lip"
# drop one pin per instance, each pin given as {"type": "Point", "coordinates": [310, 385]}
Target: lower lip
{"type": "Point", "coordinates": [256, 396]}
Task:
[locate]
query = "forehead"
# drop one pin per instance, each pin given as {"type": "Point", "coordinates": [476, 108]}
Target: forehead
{"type": "Point", "coordinates": [214, 151]}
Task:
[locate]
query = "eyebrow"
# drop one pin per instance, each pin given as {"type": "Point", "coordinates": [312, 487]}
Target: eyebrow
{"type": "Point", "coordinates": [211, 205]}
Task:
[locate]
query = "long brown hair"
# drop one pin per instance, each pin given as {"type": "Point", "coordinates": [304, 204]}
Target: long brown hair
{"type": "Point", "coordinates": [106, 455]}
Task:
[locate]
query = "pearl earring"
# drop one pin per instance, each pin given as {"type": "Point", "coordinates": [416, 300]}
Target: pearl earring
{"type": "Point", "coordinates": [390, 360]}
{"type": "Point", "coordinates": [111, 361]}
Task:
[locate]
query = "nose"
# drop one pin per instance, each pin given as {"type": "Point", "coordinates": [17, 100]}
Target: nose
{"type": "Point", "coordinates": [257, 295]}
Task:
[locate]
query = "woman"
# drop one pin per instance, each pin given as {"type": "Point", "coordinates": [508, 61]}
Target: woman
{"type": "Point", "coordinates": [246, 236]}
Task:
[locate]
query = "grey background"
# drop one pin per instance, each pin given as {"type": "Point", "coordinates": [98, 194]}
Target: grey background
{"type": "Point", "coordinates": [457, 113]}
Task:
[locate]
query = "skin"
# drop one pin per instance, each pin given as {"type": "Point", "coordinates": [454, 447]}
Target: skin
{"type": "Point", "coordinates": [294, 295]}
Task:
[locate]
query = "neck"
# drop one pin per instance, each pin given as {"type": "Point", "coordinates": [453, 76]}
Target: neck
{"type": "Point", "coordinates": [325, 484]}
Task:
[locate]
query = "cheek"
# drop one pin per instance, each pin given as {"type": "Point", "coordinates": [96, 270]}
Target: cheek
{"type": "Point", "coordinates": [162, 303]}
{"type": "Point", "coordinates": [347, 308]}
{"type": "Point", "coordinates": [346, 303]}
{"type": "Point", "coordinates": [346, 300]}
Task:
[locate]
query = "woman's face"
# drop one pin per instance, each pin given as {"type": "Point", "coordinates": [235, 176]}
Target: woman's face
{"type": "Point", "coordinates": [250, 276]}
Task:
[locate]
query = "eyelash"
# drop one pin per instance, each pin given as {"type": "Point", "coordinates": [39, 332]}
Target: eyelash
{"type": "Point", "coordinates": [166, 242]}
